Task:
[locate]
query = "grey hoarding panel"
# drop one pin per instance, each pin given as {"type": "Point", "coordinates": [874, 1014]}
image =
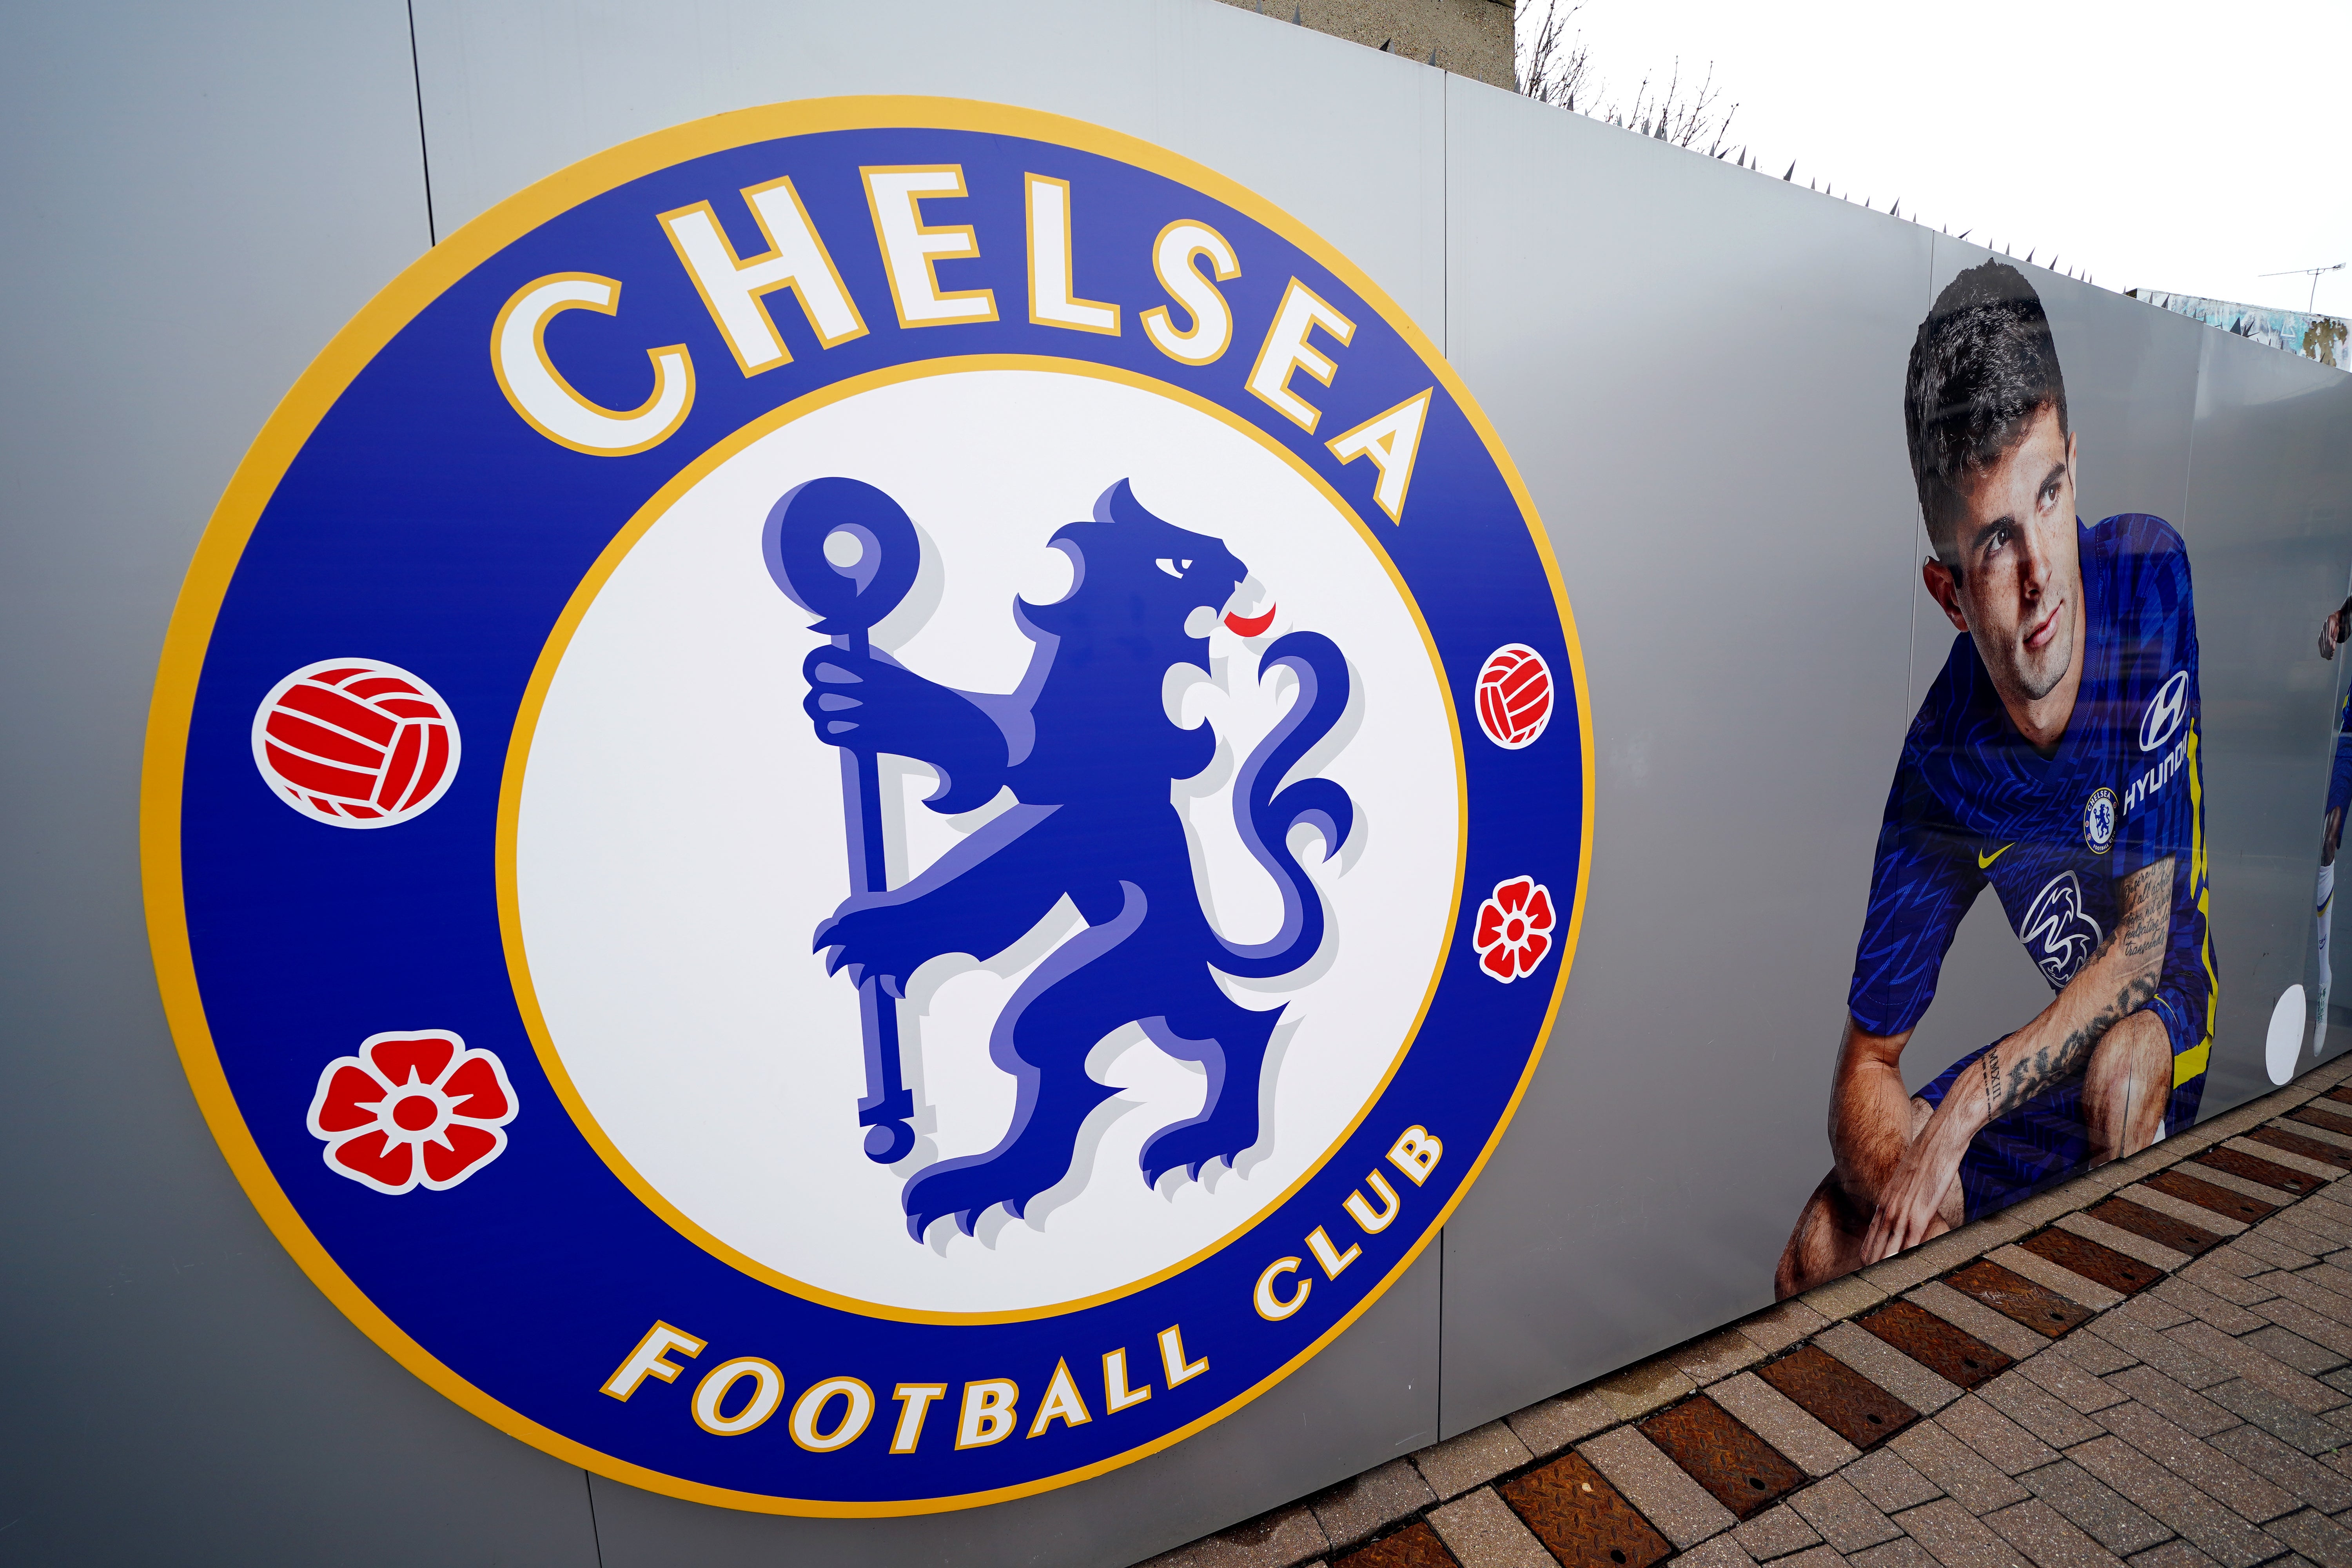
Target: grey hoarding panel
{"type": "Point", "coordinates": [1339, 1415]}
{"type": "Point", "coordinates": [1690, 364]}
{"type": "Point", "coordinates": [2270, 514]}
{"type": "Point", "coordinates": [2131, 379]}
{"type": "Point", "coordinates": [202, 199]}
{"type": "Point", "coordinates": [1347, 140]}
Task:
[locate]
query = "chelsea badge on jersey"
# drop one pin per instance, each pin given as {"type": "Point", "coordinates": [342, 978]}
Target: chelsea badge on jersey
{"type": "Point", "coordinates": [868, 806]}
{"type": "Point", "coordinates": [2099, 820]}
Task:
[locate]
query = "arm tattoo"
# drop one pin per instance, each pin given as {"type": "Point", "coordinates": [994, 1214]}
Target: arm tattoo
{"type": "Point", "coordinates": [2147, 924]}
{"type": "Point", "coordinates": [1993, 1080]}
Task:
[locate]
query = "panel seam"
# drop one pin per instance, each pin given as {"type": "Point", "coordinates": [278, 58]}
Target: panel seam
{"type": "Point", "coordinates": [424, 150]}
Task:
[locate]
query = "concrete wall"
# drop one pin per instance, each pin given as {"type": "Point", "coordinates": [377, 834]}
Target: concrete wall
{"type": "Point", "coordinates": [1468, 37]}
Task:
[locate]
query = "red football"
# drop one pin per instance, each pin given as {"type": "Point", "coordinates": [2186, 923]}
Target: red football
{"type": "Point", "coordinates": [1513, 696]}
{"type": "Point", "coordinates": [356, 743]}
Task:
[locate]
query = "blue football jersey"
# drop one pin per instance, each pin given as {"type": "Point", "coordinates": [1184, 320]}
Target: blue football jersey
{"type": "Point", "coordinates": [1973, 805]}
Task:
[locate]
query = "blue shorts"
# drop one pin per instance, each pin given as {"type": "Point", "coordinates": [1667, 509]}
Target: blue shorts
{"type": "Point", "coordinates": [2339, 783]}
{"type": "Point", "coordinates": [2045, 1141]}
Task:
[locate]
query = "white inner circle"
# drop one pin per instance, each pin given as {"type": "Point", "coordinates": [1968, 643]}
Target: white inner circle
{"type": "Point", "coordinates": [681, 834]}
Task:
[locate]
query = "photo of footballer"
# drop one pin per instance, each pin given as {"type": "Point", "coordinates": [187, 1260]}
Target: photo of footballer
{"type": "Point", "coordinates": [2053, 759]}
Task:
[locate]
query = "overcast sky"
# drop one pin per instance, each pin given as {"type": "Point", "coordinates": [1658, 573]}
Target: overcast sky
{"type": "Point", "coordinates": [2189, 148]}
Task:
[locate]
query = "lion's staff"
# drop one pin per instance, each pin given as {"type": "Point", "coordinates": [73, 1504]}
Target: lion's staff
{"type": "Point", "coordinates": [808, 543]}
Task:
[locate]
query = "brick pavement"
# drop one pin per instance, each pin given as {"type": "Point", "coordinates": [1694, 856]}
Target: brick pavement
{"type": "Point", "coordinates": [2150, 1364]}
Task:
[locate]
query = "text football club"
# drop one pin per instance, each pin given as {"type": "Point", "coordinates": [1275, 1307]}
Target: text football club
{"type": "Point", "coordinates": [1022, 820]}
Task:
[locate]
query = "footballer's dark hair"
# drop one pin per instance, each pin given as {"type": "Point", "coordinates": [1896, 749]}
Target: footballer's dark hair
{"type": "Point", "coordinates": [1982, 366]}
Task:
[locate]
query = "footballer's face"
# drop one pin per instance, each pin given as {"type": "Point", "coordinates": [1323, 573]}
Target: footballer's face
{"type": "Point", "coordinates": [2019, 588]}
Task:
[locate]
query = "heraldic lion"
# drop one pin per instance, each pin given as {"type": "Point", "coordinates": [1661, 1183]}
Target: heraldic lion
{"type": "Point", "coordinates": [1088, 751]}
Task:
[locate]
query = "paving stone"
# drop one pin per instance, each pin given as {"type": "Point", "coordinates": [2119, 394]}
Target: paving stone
{"type": "Point", "coordinates": [1415, 1546]}
{"type": "Point", "coordinates": [2043, 1207]}
{"type": "Point", "coordinates": [1473, 1458]}
{"type": "Point", "coordinates": [2093, 1355]}
{"type": "Point", "coordinates": [1775, 1532]}
{"type": "Point", "coordinates": [1900, 1552]}
{"type": "Point", "coordinates": [2287, 1245]}
{"type": "Point", "coordinates": [2271, 1248]}
{"type": "Point", "coordinates": [2046, 1536]}
{"type": "Point", "coordinates": [2062, 1375]}
{"type": "Point", "coordinates": [1951, 1352]}
{"type": "Point", "coordinates": [1841, 1299]}
{"type": "Point", "coordinates": [2252, 1365]}
{"type": "Point", "coordinates": [1678, 1504]}
{"type": "Point", "coordinates": [1580, 1517]}
{"type": "Point", "coordinates": [1638, 1390]}
{"type": "Point", "coordinates": [2119, 1271]}
{"type": "Point", "coordinates": [1715, 1357]}
{"type": "Point", "coordinates": [1965, 1474]}
{"type": "Point", "coordinates": [1887, 1367]}
{"type": "Point", "coordinates": [1359, 1508]}
{"type": "Point", "coordinates": [2033, 1408]}
{"type": "Point", "coordinates": [2316, 1537]}
{"type": "Point", "coordinates": [2329, 1276]}
{"type": "Point", "coordinates": [2102, 1511]}
{"type": "Point", "coordinates": [1282, 1539]}
{"type": "Point", "coordinates": [2149, 1311]}
{"type": "Point", "coordinates": [2164, 1351]}
{"type": "Point", "coordinates": [2175, 1234]}
{"type": "Point", "coordinates": [2235, 1259]}
{"type": "Point", "coordinates": [1890, 1483]}
{"type": "Point", "coordinates": [2014, 1296]}
{"type": "Point", "coordinates": [2210, 1528]}
{"type": "Point", "coordinates": [1739, 1469]}
{"type": "Point", "coordinates": [1551, 1425]}
{"type": "Point", "coordinates": [2173, 1555]}
{"type": "Point", "coordinates": [1956, 1539]}
{"type": "Point", "coordinates": [2005, 1335]}
{"type": "Point", "coordinates": [2196, 1216]}
{"type": "Point", "coordinates": [2011, 1449]}
{"type": "Point", "coordinates": [2282, 1344]}
{"type": "Point", "coordinates": [2315, 1174]}
{"type": "Point", "coordinates": [1780, 1421]}
{"type": "Point", "coordinates": [2207, 1275]}
{"type": "Point", "coordinates": [1846, 1520]}
{"type": "Point", "coordinates": [2199, 1302]}
{"type": "Point", "coordinates": [1778, 1328]}
{"type": "Point", "coordinates": [2298, 1428]}
{"type": "Point", "coordinates": [2314, 1483]}
{"type": "Point", "coordinates": [1722, 1552]}
{"type": "Point", "coordinates": [1837, 1397]}
{"type": "Point", "coordinates": [2227, 1482]}
{"type": "Point", "coordinates": [1822, 1557]}
{"type": "Point", "coordinates": [2054, 1277]}
{"type": "Point", "coordinates": [2215, 1196]}
{"type": "Point", "coordinates": [2340, 1380]}
{"type": "Point", "coordinates": [1482, 1533]}
{"type": "Point", "coordinates": [2189, 1410]}
{"type": "Point", "coordinates": [2308, 1292]}
{"type": "Point", "coordinates": [2295, 1228]}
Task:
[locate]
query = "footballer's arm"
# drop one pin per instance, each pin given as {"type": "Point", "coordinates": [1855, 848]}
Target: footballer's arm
{"type": "Point", "coordinates": [2097, 1027]}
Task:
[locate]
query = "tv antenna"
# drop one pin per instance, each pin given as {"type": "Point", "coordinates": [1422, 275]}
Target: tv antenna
{"type": "Point", "coordinates": [2314, 274]}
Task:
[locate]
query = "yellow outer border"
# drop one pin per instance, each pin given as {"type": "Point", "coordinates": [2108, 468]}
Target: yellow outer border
{"type": "Point", "coordinates": [558, 642]}
{"type": "Point", "coordinates": [282, 438]}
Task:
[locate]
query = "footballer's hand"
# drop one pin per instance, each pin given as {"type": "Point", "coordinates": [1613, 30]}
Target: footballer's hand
{"type": "Point", "coordinates": [2329, 638]}
{"type": "Point", "coordinates": [1919, 1197]}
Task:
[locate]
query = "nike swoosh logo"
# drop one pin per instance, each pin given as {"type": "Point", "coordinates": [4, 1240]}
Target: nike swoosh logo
{"type": "Point", "coordinates": [1984, 859]}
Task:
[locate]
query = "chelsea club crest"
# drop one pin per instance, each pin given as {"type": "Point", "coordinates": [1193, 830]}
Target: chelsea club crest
{"type": "Point", "coordinates": [976, 787]}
